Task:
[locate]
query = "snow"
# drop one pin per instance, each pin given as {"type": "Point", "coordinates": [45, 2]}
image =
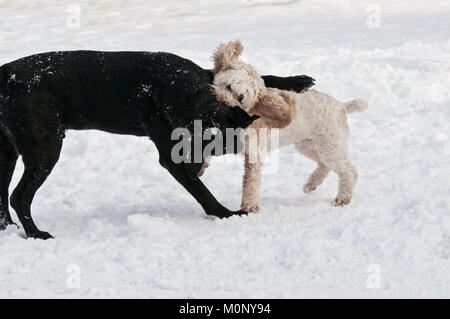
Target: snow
{"type": "Point", "coordinates": [123, 227]}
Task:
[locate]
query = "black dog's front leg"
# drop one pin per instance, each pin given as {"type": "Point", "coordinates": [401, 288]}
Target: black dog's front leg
{"type": "Point", "coordinates": [160, 134]}
{"type": "Point", "coordinates": [197, 189]}
{"type": "Point", "coordinates": [297, 83]}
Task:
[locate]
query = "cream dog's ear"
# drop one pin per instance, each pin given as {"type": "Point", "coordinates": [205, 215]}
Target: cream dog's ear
{"type": "Point", "coordinates": [226, 55]}
{"type": "Point", "coordinates": [273, 109]}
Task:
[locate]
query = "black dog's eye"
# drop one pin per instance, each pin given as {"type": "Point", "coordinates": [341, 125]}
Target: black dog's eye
{"type": "Point", "coordinates": [240, 98]}
{"type": "Point", "coordinates": [229, 87]}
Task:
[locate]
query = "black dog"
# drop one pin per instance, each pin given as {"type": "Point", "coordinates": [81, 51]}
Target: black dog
{"type": "Point", "coordinates": [135, 93]}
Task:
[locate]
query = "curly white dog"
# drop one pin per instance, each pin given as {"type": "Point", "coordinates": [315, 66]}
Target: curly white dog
{"type": "Point", "coordinates": [315, 122]}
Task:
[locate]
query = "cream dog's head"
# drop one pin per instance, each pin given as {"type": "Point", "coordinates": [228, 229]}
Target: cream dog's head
{"type": "Point", "coordinates": [237, 83]}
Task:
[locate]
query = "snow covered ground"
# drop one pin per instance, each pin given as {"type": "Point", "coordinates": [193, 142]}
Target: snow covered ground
{"type": "Point", "coordinates": [125, 228]}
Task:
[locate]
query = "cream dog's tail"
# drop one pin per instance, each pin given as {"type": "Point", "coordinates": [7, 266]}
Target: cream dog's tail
{"type": "Point", "coordinates": [357, 105]}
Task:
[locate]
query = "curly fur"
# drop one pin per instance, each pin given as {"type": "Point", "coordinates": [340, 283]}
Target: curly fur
{"type": "Point", "coordinates": [274, 109]}
{"type": "Point", "coordinates": [226, 54]}
{"type": "Point", "coordinates": [315, 122]}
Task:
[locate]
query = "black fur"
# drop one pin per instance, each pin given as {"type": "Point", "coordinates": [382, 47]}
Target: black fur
{"type": "Point", "coordinates": [298, 83]}
{"type": "Point", "coordinates": [135, 93]}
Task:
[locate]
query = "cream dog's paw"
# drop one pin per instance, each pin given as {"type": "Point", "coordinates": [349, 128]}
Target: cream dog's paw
{"type": "Point", "coordinates": [341, 200]}
{"type": "Point", "coordinates": [309, 187]}
{"type": "Point", "coordinates": [250, 207]}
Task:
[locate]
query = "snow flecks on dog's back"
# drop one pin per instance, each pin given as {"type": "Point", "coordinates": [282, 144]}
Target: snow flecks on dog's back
{"type": "Point", "coordinates": [356, 105]}
{"type": "Point", "coordinates": [2, 89]}
{"type": "Point", "coordinates": [2, 81]}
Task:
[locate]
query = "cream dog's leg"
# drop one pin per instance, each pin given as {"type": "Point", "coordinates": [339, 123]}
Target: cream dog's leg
{"type": "Point", "coordinates": [307, 148]}
{"type": "Point", "coordinates": [250, 186]}
{"type": "Point", "coordinates": [316, 178]}
{"type": "Point", "coordinates": [332, 150]}
{"type": "Point", "coordinates": [348, 175]}
{"type": "Point", "coordinates": [253, 166]}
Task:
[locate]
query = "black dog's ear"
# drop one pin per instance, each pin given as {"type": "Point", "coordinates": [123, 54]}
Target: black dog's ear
{"type": "Point", "coordinates": [239, 118]}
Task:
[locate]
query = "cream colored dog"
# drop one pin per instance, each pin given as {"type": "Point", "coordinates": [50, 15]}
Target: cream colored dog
{"type": "Point", "coordinates": [315, 122]}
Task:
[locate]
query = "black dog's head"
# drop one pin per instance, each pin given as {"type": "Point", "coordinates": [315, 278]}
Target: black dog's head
{"type": "Point", "coordinates": [214, 128]}
{"type": "Point", "coordinates": [222, 126]}
{"type": "Point", "coordinates": [238, 118]}
{"type": "Point", "coordinates": [201, 114]}
{"type": "Point", "coordinates": [187, 102]}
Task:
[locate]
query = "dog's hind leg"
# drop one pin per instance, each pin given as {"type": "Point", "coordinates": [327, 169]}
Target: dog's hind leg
{"type": "Point", "coordinates": [317, 177]}
{"type": "Point", "coordinates": [333, 152]}
{"type": "Point", "coordinates": [38, 163]}
{"type": "Point", "coordinates": [39, 141]}
{"type": "Point", "coordinates": [348, 175]}
{"type": "Point", "coordinates": [8, 159]}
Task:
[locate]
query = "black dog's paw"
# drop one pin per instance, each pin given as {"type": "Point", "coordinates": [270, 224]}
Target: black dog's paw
{"type": "Point", "coordinates": [297, 83]}
{"type": "Point", "coordinates": [39, 235]}
{"type": "Point", "coordinates": [301, 83]}
{"type": "Point", "coordinates": [227, 213]}
{"type": "Point", "coordinates": [240, 213]}
{"type": "Point", "coordinates": [236, 213]}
